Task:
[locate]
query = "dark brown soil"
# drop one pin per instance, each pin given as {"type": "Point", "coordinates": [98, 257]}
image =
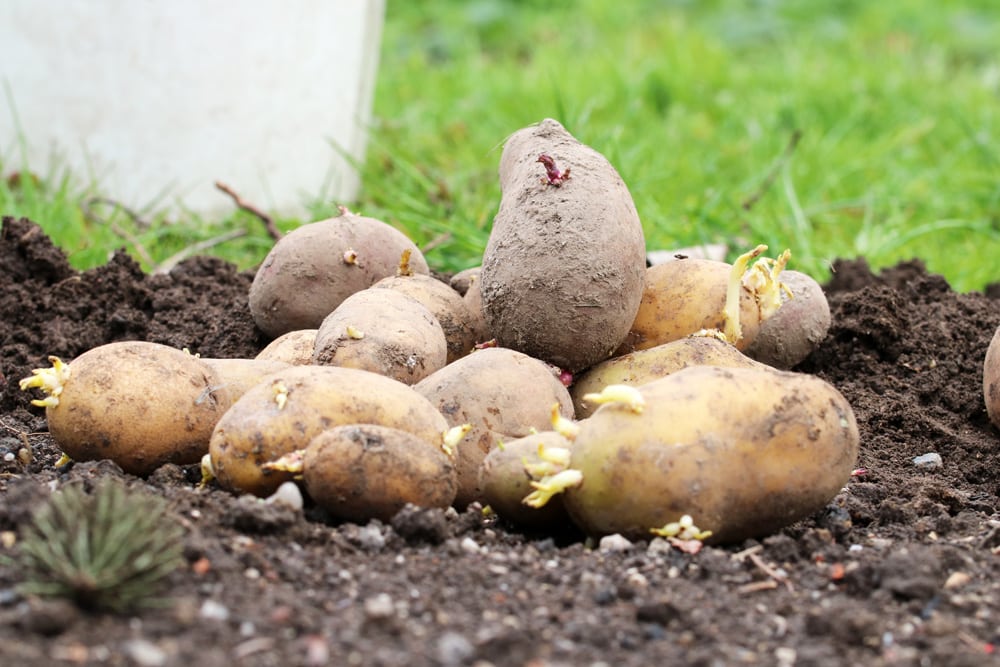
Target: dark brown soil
{"type": "Point", "coordinates": [902, 568]}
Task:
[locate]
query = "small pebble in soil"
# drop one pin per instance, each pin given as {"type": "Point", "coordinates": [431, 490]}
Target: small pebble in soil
{"type": "Point", "coordinates": [287, 494]}
{"type": "Point", "coordinates": [379, 606]}
{"type": "Point", "coordinates": [144, 653]}
{"type": "Point", "coordinates": [614, 543]}
{"type": "Point", "coordinates": [213, 611]}
{"type": "Point", "coordinates": [929, 461]}
{"type": "Point", "coordinates": [454, 649]}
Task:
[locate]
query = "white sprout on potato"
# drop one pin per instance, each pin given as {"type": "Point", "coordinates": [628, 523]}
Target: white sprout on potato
{"type": "Point", "coordinates": [567, 428]}
{"type": "Point", "coordinates": [551, 461]}
{"type": "Point", "coordinates": [351, 256]}
{"type": "Point", "coordinates": [355, 333]}
{"type": "Point", "coordinates": [618, 394]}
{"type": "Point", "coordinates": [207, 471]}
{"type": "Point", "coordinates": [291, 462]}
{"type": "Point", "coordinates": [49, 380]}
{"type": "Point", "coordinates": [682, 529]}
{"type": "Point", "coordinates": [453, 436]}
{"type": "Point", "coordinates": [551, 485]}
{"type": "Point", "coordinates": [731, 311]}
{"type": "Point", "coordinates": [280, 393]}
{"type": "Point", "coordinates": [762, 279]}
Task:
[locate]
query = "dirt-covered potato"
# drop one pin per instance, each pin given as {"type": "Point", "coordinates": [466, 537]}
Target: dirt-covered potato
{"type": "Point", "coordinates": [688, 295]}
{"type": "Point", "coordinates": [797, 328]}
{"type": "Point", "coordinates": [286, 410]}
{"type": "Point", "coordinates": [460, 281]}
{"type": "Point", "coordinates": [384, 331]}
{"type": "Point", "coordinates": [360, 472]}
{"type": "Point", "coordinates": [139, 404]}
{"type": "Point", "coordinates": [505, 478]}
{"type": "Point", "coordinates": [991, 379]}
{"type": "Point", "coordinates": [502, 394]}
{"type": "Point", "coordinates": [642, 366]}
{"type": "Point", "coordinates": [294, 347]}
{"type": "Point", "coordinates": [238, 375]}
{"type": "Point", "coordinates": [313, 268]}
{"type": "Point", "coordinates": [444, 303]}
{"type": "Point", "coordinates": [742, 451]}
{"type": "Point", "coordinates": [473, 299]}
{"type": "Point", "coordinates": [564, 266]}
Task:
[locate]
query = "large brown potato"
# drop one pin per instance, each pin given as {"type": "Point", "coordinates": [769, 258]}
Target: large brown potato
{"type": "Point", "coordinates": [991, 379]}
{"type": "Point", "coordinates": [139, 404]}
{"type": "Point", "coordinates": [502, 394]}
{"type": "Point", "coordinates": [310, 270]}
{"type": "Point", "coordinates": [286, 410]}
{"type": "Point", "coordinates": [563, 270]}
{"type": "Point", "coordinates": [742, 451]}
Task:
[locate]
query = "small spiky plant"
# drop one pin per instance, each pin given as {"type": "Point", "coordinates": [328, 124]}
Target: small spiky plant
{"type": "Point", "coordinates": [109, 550]}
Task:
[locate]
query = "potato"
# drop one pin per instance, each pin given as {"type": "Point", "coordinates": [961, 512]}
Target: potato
{"type": "Point", "coordinates": [473, 299]}
{"type": "Point", "coordinates": [293, 347]}
{"type": "Point", "coordinates": [360, 472]}
{"type": "Point", "coordinates": [444, 303]}
{"type": "Point", "coordinates": [686, 296]}
{"type": "Point", "coordinates": [564, 266]}
{"type": "Point", "coordinates": [313, 268]}
{"type": "Point", "coordinates": [642, 366]}
{"type": "Point", "coordinates": [991, 379]}
{"type": "Point", "coordinates": [742, 451]}
{"type": "Point", "coordinates": [238, 375]}
{"type": "Point", "coordinates": [502, 394]}
{"type": "Point", "coordinates": [139, 404]}
{"type": "Point", "coordinates": [383, 331]}
{"type": "Point", "coordinates": [797, 328]}
{"type": "Point", "coordinates": [505, 482]}
{"type": "Point", "coordinates": [460, 281]}
{"type": "Point", "coordinates": [289, 408]}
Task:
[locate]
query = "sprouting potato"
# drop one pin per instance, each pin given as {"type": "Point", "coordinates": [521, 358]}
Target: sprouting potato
{"type": "Point", "coordinates": [797, 328]}
{"type": "Point", "coordinates": [502, 394]}
{"type": "Point", "coordinates": [642, 366]}
{"type": "Point", "coordinates": [287, 409]}
{"type": "Point", "coordinates": [313, 268]}
{"type": "Point", "coordinates": [236, 376]}
{"type": "Point", "coordinates": [139, 404]}
{"type": "Point", "coordinates": [384, 331]}
{"type": "Point", "coordinates": [991, 379]}
{"type": "Point", "coordinates": [742, 451]}
{"type": "Point", "coordinates": [360, 472]}
{"type": "Point", "coordinates": [563, 269]}
{"type": "Point", "coordinates": [294, 347]}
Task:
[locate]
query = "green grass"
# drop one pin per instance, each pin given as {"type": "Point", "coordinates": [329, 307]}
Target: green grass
{"type": "Point", "coordinates": [898, 106]}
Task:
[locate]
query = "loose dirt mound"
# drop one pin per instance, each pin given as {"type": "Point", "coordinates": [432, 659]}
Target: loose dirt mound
{"type": "Point", "coordinates": [902, 568]}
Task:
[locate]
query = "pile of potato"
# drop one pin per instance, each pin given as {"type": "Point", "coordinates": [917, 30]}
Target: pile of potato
{"type": "Point", "coordinates": [562, 380]}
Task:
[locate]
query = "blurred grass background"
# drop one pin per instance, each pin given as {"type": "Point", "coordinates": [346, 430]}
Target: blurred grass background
{"type": "Point", "coordinates": [836, 128]}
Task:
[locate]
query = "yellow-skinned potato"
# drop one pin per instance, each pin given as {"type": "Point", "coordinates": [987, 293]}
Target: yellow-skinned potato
{"type": "Point", "coordinates": [742, 451]}
{"type": "Point", "coordinates": [686, 296]}
{"type": "Point", "coordinates": [366, 471]}
{"type": "Point", "coordinates": [294, 347]}
{"type": "Point", "coordinates": [991, 379]}
{"type": "Point", "coordinates": [502, 394]}
{"type": "Point", "coordinates": [139, 404]}
{"type": "Point", "coordinates": [287, 409]}
{"type": "Point", "coordinates": [797, 328]}
{"type": "Point", "coordinates": [383, 331]}
{"type": "Point", "coordinates": [506, 482]}
{"type": "Point", "coordinates": [238, 375]}
{"type": "Point", "coordinates": [642, 366]}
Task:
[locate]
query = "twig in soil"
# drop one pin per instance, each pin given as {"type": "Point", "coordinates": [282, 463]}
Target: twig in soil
{"type": "Point", "coordinates": [244, 205]}
{"type": "Point", "coordinates": [88, 212]}
{"type": "Point", "coordinates": [753, 553]}
{"type": "Point", "coordinates": [757, 586]}
{"type": "Point", "coordinates": [772, 174]}
{"type": "Point", "coordinates": [170, 262]}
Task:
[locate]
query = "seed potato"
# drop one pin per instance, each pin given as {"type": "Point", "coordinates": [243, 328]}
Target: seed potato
{"type": "Point", "coordinates": [236, 376]}
{"type": "Point", "coordinates": [139, 404]}
{"type": "Point", "coordinates": [564, 266]}
{"type": "Point", "coordinates": [797, 328]}
{"type": "Point", "coordinates": [287, 409]}
{"type": "Point", "coordinates": [991, 379]}
{"type": "Point", "coordinates": [294, 347]}
{"type": "Point", "coordinates": [313, 268]}
{"type": "Point", "coordinates": [742, 451]}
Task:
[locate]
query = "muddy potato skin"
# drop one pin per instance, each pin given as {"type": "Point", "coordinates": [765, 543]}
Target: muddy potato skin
{"type": "Point", "coordinates": [306, 274]}
{"type": "Point", "coordinates": [685, 296]}
{"type": "Point", "coordinates": [643, 366]}
{"type": "Point", "coordinates": [293, 347]}
{"type": "Point", "coordinates": [505, 483]}
{"type": "Point", "coordinates": [360, 472]}
{"type": "Point", "coordinates": [258, 429]}
{"type": "Point", "coordinates": [446, 305]}
{"type": "Point", "coordinates": [991, 379]}
{"type": "Point", "coordinates": [797, 328]}
{"type": "Point", "coordinates": [564, 266]}
{"type": "Point", "coordinates": [394, 335]}
{"type": "Point", "coordinates": [139, 404]}
{"type": "Point", "coordinates": [502, 394]}
{"type": "Point", "coordinates": [744, 451]}
{"type": "Point", "coordinates": [460, 281]}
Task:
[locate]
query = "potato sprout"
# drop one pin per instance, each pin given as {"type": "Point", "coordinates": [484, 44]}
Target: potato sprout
{"type": "Point", "coordinates": [682, 529]}
{"type": "Point", "coordinates": [49, 380]}
{"type": "Point", "coordinates": [619, 394]}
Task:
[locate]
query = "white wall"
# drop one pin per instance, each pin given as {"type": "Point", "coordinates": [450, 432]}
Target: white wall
{"type": "Point", "coordinates": [158, 99]}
